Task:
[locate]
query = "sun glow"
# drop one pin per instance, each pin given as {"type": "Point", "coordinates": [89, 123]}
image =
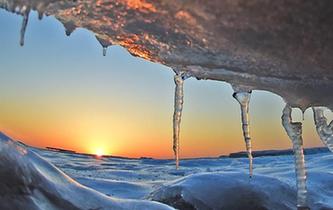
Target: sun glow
{"type": "Point", "coordinates": [99, 152]}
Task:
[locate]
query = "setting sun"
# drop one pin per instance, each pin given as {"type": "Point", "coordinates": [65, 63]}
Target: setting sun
{"type": "Point", "coordinates": [99, 152]}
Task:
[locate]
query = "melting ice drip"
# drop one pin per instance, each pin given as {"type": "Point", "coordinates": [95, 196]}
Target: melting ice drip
{"type": "Point", "coordinates": [104, 51]}
{"type": "Point", "coordinates": [324, 130]}
{"type": "Point", "coordinates": [294, 131]}
{"type": "Point", "coordinates": [177, 114]}
{"type": "Point", "coordinates": [243, 98]}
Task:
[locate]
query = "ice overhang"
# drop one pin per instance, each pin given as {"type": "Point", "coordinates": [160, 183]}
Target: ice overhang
{"type": "Point", "coordinates": [284, 47]}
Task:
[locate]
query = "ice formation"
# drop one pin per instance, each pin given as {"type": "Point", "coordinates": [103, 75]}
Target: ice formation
{"type": "Point", "coordinates": [104, 44]}
{"type": "Point", "coordinates": [243, 98]}
{"type": "Point", "coordinates": [104, 51]}
{"type": "Point", "coordinates": [324, 130]}
{"type": "Point", "coordinates": [178, 108]}
{"type": "Point", "coordinates": [25, 12]}
{"type": "Point", "coordinates": [279, 46]}
{"type": "Point", "coordinates": [226, 190]}
{"type": "Point", "coordinates": [231, 41]}
{"type": "Point", "coordinates": [69, 28]}
{"type": "Point", "coordinates": [30, 182]}
{"type": "Point", "coordinates": [213, 183]}
{"type": "Point", "coordinates": [294, 131]}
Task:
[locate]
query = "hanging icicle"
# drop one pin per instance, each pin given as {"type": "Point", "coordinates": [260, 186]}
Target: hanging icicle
{"type": "Point", "coordinates": [70, 27]}
{"type": "Point", "coordinates": [324, 130]}
{"type": "Point", "coordinates": [68, 32]}
{"type": "Point", "coordinates": [40, 8]}
{"type": "Point", "coordinates": [294, 131]}
{"type": "Point", "coordinates": [24, 26]}
{"type": "Point", "coordinates": [40, 15]}
{"type": "Point", "coordinates": [104, 51]}
{"type": "Point", "coordinates": [243, 99]}
{"type": "Point", "coordinates": [104, 43]}
{"type": "Point", "coordinates": [178, 108]}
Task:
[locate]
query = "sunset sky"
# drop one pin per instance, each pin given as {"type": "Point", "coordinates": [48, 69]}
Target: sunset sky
{"type": "Point", "coordinates": [60, 91]}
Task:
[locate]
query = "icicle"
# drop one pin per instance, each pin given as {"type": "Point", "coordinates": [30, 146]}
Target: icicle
{"type": "Point", "coordinates": [24, 26]}
{"type": "Point", "coordinates": [40, 15]}
{"type": "Point", "coordinates": [303, 115]}
{"type": "Point", "coordinates": [104, 43]}
{"type": "Point", "coordinates": [40, 8]}
{"type": "Point", "coordinates": [104, 51]}
{"type": "Point", "coordinates": [68, 32]}
{"type": "Point", "coordinates": [178, 108]}
{"type": "Point", "coordinates": [294, 131]}
{"type": "Point", "coordinates": [69, 28]}
{"type": "Point", "coordinates": [324, 130]}
{"type": "Point", "coordinates": [243, 99]}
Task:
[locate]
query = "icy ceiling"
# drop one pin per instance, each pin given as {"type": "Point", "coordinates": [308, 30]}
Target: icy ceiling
{"type": "Point", "coordinates": [284, 46]}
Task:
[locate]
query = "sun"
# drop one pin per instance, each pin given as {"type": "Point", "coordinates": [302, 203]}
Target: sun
{"type": "Point", "coordinates": [99, 152]}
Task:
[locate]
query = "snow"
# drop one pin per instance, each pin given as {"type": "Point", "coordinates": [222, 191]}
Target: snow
{"type": "Point", "coordinates": [206, 183]}
{"type": "Point", "coordinates": [228, 190]}
{"type": "Point", "coordinates": [30, 182]}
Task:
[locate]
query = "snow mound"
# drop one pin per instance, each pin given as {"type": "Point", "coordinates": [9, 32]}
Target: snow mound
{"type": "Point", "coordinates": [27, 181]}
{"type": "Point", "coordinates": [231, 191]}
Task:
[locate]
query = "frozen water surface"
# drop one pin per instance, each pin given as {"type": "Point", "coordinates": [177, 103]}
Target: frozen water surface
{"type": "Point", "coordinates": [214, 183]}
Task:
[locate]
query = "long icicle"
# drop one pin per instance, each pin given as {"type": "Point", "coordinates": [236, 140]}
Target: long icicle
{"type": "Point", "coordinates": [324, 130]}
{"type": "Point", "coordinates": [294, 131]}
{"type": "Point", "coordinates": [243, 99]}
{"type": "Point", "coordinates": [178, 108]}
{"type": "Point", "coordinates": [24, 26]}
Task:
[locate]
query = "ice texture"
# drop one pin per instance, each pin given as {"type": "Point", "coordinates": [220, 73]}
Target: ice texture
{"type": "Point", "coordinates": [279, 46]}
{"type": "Point", "coordinates": [294, 131]}
{"type": "Point", "coordinates": [104, 44]}
{"type": "Point", "coordinates": [243, 99]}
{"type": "Point", "coordinates": [30, 182]}
{"type": "Point", "coordinates": [203, 180]}
{"type": "Point", "coordinates": [25, 20]}
{"type": "Point", "coordinates": [226, 190]}
{"type": "Point", "coordinates": [178, 108]}
{"type": "Point", "coordinates": [104, 51]}
{"type": "Point", "coordinates": [206, 181]}
{"type": "Point", "coordinates": [324, 130]}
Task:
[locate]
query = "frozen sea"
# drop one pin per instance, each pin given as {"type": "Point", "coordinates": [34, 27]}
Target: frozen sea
{"type": "Point", "coordinates": [201, 178]}
{"type": "Point", "coordinates": [40, 179]}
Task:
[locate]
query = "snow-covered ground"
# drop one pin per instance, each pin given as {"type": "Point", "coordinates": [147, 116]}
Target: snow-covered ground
{"type": "Point", "coordinates": [217, 183]}
{"type": "Point", "coordinates": [203, 182]}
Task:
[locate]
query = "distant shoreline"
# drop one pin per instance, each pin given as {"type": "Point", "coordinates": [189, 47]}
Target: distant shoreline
{"type": "Point", "coordinates": [241, 154]}
{"type": "Point", "coordinates": [61, 150]}
{"type": "Point", "coordinates": [283, 152]}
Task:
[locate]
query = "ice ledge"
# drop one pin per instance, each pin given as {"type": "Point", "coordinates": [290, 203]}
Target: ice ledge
{"type": "Point", "coordinates": [284, 47]}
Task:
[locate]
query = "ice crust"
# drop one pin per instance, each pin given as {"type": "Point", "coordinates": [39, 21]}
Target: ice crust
{"type": "Point", "coordinates": [30, 182]}
{"type": "Point", "coordinates": [284, 47]}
